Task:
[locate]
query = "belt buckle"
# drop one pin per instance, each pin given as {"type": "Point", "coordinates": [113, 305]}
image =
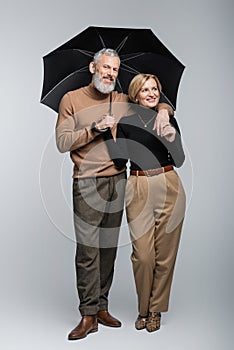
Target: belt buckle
{"type": "Point", "coordinates": [147, 173]}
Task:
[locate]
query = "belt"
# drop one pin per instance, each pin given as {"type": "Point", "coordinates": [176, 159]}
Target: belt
{"type": "Point", "coordinates": [151, 172]}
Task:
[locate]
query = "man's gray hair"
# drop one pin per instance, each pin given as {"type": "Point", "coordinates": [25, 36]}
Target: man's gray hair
{"type": "Point", "coordinates": [108, 52]}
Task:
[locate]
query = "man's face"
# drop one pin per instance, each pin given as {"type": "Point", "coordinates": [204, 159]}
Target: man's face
{"type": "Point", "coordinates": [105, 73]}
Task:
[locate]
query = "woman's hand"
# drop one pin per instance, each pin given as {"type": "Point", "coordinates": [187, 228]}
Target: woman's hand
{"type": "Point", "coordinates": [169, 132]}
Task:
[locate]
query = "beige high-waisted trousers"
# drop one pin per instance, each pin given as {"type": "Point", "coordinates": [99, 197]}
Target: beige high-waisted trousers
{"type": "Point", "coordinates": [155, 209]}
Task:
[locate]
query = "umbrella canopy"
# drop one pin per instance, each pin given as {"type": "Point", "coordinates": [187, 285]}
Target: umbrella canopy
{"type": "Point", "coordinates": [67, 67]}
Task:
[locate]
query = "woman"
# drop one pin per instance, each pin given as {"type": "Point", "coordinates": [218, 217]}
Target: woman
{"type": "Point", "coordinates": [155, 199]}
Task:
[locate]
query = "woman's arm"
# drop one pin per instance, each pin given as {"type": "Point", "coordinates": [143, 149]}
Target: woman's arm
{"type": "Point", "coordinates": [175, 147]}
{"type": "Point", "coordinates": [117, 149]}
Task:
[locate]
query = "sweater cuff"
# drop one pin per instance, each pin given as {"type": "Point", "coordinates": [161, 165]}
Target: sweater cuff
{"type": "Point", "coordinates": [93, 127]}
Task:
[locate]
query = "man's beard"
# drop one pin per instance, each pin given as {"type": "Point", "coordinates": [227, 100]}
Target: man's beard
{"type": "Point", "coordinates": [103, 88]}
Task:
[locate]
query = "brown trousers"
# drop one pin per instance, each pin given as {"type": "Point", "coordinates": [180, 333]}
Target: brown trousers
{"type": "Point", "coordinates": [98, 207]}
{"type": "Point", "coordinates": [155, 209]}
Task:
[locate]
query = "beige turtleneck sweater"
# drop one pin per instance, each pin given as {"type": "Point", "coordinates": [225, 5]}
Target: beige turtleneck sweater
{"type": "Point", "coordinates": [78, 110]}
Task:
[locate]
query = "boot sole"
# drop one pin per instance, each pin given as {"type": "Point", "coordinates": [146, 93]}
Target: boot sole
{"type": "Point", "coordinates": [91, 331]}
{"type": "Point", "coordinates": [109, 325]}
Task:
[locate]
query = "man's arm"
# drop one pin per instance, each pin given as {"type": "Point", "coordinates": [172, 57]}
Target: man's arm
{"type": "Point", "coordinates": [68, 138]}
{"type": "Point", "coordinates": [162, 119]}
{"type": "Point", "coordinates": [164, 105]}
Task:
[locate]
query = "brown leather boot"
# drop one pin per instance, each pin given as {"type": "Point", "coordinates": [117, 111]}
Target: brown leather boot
{"type": "Point", "coordinates": [88, 324]}
{"type": "Point", "coordinates": [105, 318]}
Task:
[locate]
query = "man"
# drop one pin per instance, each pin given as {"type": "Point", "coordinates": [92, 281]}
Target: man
{"type": "Point", "coordinates": [98, 186]}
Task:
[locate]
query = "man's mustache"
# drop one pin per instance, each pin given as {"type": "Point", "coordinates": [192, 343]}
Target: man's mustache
{"type": "Point", "coordinates": [108, 77]}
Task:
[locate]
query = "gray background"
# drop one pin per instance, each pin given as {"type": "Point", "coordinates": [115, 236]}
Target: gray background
{"type": "Point", "coordinates": [38, 295]}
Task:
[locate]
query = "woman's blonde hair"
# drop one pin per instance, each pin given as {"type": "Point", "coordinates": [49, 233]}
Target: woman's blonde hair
{"type": "Point", "coordinates": [138, 81]}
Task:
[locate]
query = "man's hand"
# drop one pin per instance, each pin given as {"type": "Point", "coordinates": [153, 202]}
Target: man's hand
{"type": "Point", "coordinates": [107, 121]}
{"type": "Point", "coordinates": [161, 121]}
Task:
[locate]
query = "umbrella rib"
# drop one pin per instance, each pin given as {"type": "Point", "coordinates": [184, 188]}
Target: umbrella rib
{"type": "Point", "coordinates": [68, 76]}
{"type": "Point", "coordinates": [137, 54]}
{"type": "Point", "coordinates": [118, 82]}
{"type": "Point", "coordinates": [129, 69]}
{"type": "Point", "coordinates": [102, 41]}
{"type": "Point", "coordinates": [85, 52]}
{"type": "Point", "coordinates": [121, 45]}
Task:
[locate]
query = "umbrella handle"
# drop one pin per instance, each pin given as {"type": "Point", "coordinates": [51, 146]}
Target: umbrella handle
{"type": "Point", "coordinates": [110, 106]}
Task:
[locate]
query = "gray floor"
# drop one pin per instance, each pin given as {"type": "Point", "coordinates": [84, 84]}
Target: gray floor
{"type": "Point", "coordinates": [43, 309]}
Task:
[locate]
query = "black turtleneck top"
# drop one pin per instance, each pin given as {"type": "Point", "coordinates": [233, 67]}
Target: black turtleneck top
{"type": "Point", "coordinates": [141, 145]}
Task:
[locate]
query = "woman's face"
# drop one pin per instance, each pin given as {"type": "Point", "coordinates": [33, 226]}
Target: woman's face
{"type": "Point", "coordinates": [149, 95]}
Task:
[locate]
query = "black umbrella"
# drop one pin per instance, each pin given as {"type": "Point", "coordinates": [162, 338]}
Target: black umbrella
{"type": "Point", "coordinates": [67, 67]}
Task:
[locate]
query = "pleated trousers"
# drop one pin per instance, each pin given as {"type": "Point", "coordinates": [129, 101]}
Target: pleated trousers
{"type": "Point", "coordinates": [98, 207]}
{"type": "Point", "coordinates": [155, 208]}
